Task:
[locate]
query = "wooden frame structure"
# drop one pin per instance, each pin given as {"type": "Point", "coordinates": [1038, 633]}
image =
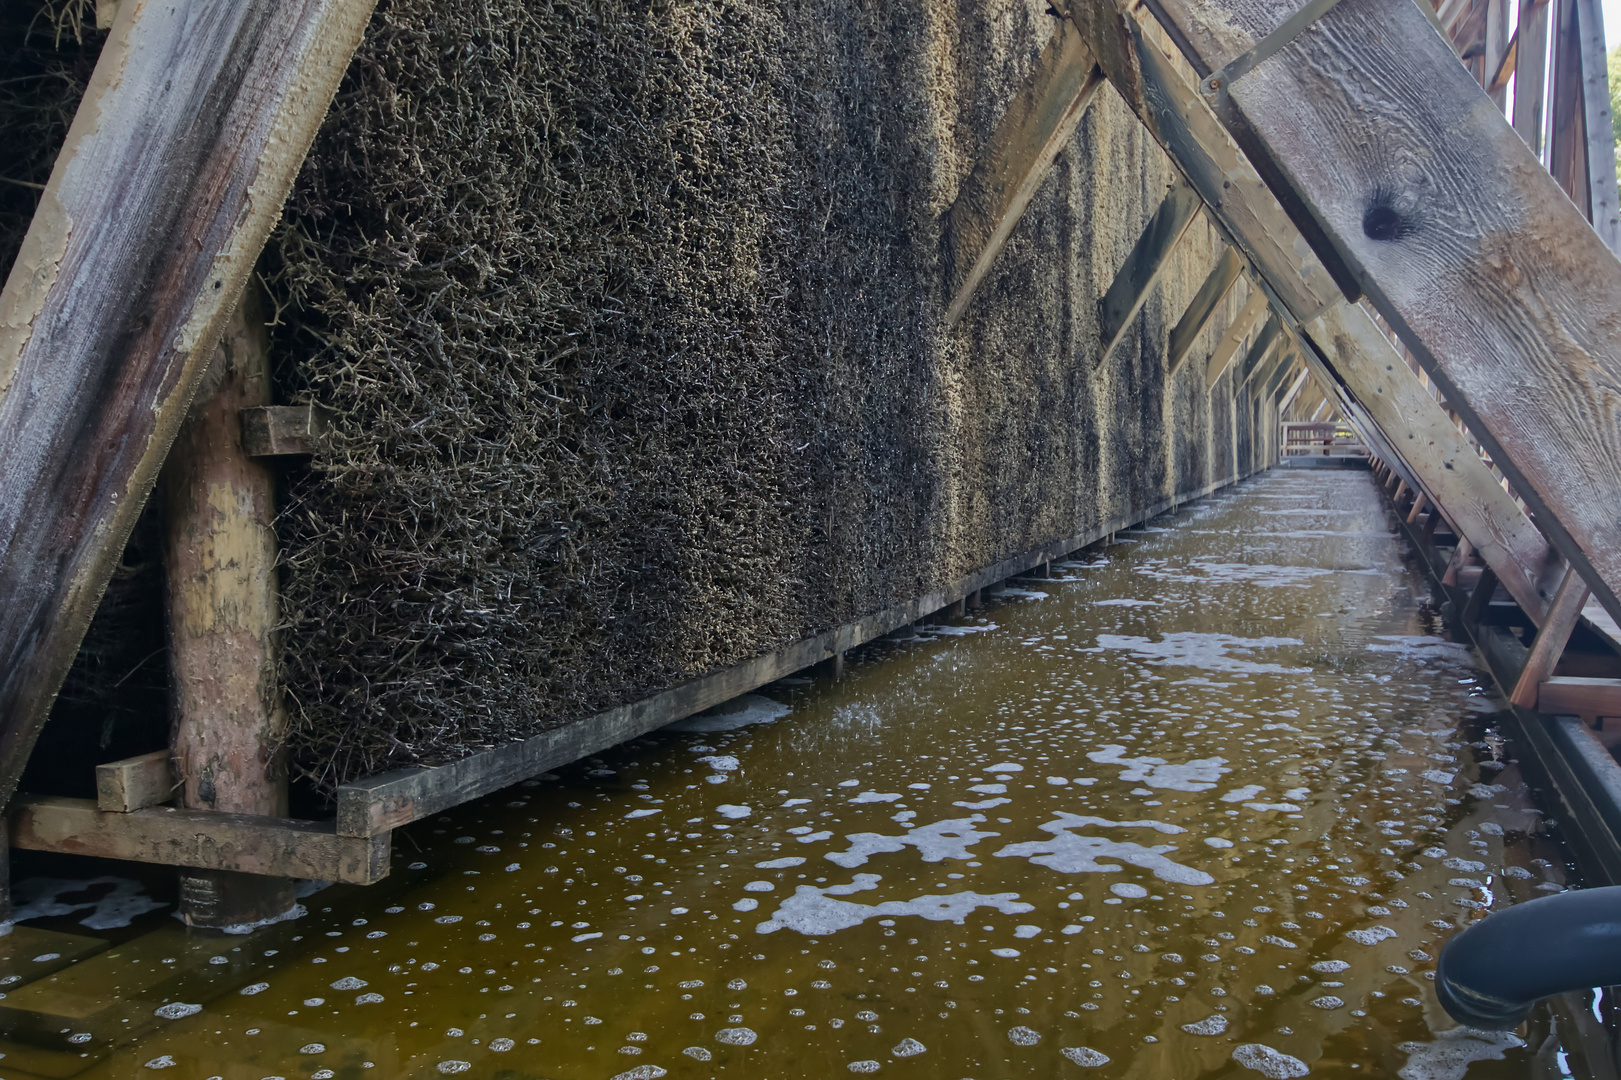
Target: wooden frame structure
{"type": "Point", "coordinates": [1339, 149]}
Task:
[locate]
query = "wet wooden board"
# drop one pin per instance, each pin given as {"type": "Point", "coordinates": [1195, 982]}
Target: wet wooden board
{"type": "Point", "coordinates": [1037, 125]}
{"type": "Point", "coordinates": [195, 121]}
{"type": "Point", "coordinates": [201, 839]}
{"type": "Point", "coordinates": [1136, 277]}
{"type": "Point", "coordinates": [1380, 142]}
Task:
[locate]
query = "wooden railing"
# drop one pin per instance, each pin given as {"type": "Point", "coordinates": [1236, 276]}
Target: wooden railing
{"type": "Point", "coordinates": [1336, 440]}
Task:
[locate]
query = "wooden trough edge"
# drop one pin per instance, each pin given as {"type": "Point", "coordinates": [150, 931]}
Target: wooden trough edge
{"type": "Point", "coordinates": [1559, 753]}
{"type": "Point", "coordinates": [375, 805]}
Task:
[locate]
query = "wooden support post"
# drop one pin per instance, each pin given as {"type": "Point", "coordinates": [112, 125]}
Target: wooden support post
{"type": "Point", "coordinates": [175, 168]}
{"type": "Point", "coordinates": [1460, 559]}
{"type": "Point", "coordinates": [1037, 125]}
{"type": "Point", "coordinates": [1418, 508]}
{"type": "Point", "coordinates": [1530, 72]}
{"type": "Point", "coordinates": [1600, 155]}
{"type": "Point", "coordinates": [1485, 589]}
{"type": "Point", "coordinates": [1203, 305]}
{"type": "Point", "coordinates": [1294, 390]}
{"type": "Point", "coordinates": [1551, 638]}
{"type": "Point", "coordinates": [1497, 285]}
{"type": "Point", "coordinates": [1148, 259]}
{"type": "Point", "coordinates": [221, 569]}
{"type": "Point", "coordinates": [1259, 350]}
{"type": "Point", "coordinates": [1431, 521]}
{"type": "Point", "coordinates": [1222, 358]}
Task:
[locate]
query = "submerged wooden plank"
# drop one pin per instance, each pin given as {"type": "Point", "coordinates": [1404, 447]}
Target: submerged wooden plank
{"type": "Point", "coordinates": [1147, 261]}
{"type": "Point", "coordinates": [200, 839]}
{"type": "Point", "coordinates": [1458, 236]}
{"type": "Point", "coordinates": [1037, 125]}
{"type": "Point", "coordinates": [1202, 307]}
{"type": "Point", "coordinates": [196, 119]}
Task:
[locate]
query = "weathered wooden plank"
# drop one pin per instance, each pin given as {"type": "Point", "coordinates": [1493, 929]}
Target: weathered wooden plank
{"type": "Point", "coordinates": [1530, 72]}
{"type": "Point", "coordinates": [1037, 125]}
{"type": "Point", "coordinates": [1601, 206]}
{"type": "Point", "coordinates": [1567, 123]}
{"type": "Point", "coordinates": [135, 783]}
{"type": "Point", "coordinates": [1589, 698]}
{"type": "Point", "coordinates": [283, 430]}
{"type": "Point", "coordinates": [1202, 307]}
{"type": "Point", "coordinates": [1443, 463]}
{"type": "Point", "coordinates": [1259, 350]}
{"type": "Point", "coordinates": [1142, 268]}
{"type": "Point", "coordinates": [1552, 637]}
{"type": "Point", "coordinates": [1227, 348]}
{"type": "Point", "coordinates": [202, 839]}
{"type": "Point", "coordinates": [1272, 383]}
{"type": "Point", "coordinates": [1497, 285]}
{"type": "Point", "coordinates": [196, 119]}
{"type": "Point", "coordinates": [1294, 390]}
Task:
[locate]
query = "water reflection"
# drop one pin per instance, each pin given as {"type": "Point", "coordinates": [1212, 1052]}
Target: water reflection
{"type": "Point", "coordinates": [1206, 802]}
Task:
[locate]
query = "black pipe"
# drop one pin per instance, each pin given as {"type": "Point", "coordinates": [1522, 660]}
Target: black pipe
{"type": "Point", "coordinates": [1490, 975]}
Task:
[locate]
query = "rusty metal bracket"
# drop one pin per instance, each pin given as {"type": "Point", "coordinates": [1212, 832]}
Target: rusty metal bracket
{"type": "Point", "coordinates": [1215, 86]}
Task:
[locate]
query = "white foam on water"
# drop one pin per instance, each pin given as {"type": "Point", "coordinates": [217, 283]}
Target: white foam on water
{"type": "Point", "coordinates": [734, 812]}
{"type": "Point", "coordinates": [813, 911]}
{"type": "Point", "coordinates": [1213, 1024]}
{"type": "Point", "coordinates": [1270, 1063]}
{"type": "Point", "coordinates": [1126, 603]}
{"type": "Point", "coordinates": [1023, 1036]}
{"type": "Point", "coordinates": [1371, 936]}
{"type": "Point", "coordinates": [1006, 954]}
{"type": "Point", "coordinates": [721, 762]}
{"type": "Point", "coordinates": [988, 789]}
{"type": "Point", "coordinates": [38, 898]}
{"type": "Point", "coordinates": [640, 1072]}
{"type": "Point", "coordinates": [1128, 891]}
{"type": "Point", "coordinates": [1006, 766]}
{"type": "Point", "coordinates": [876, 796]}
{"type": "Point", "coordinates": [1208, 652]}
{"type": "Point", "coordinates": [1218, 842]}
{"type": "Point", "coordinates": [780, 864]}
{"type": "Point", "coordinates": [1069, 853]}
{"type": "Point", "coordinates": [1026, 931]}
{"type": "Point", "coordinates": [949, 839]}
{"type": "Point", "coordinates": [1084, 1056]}
{"type": "Point", "coordinates": [1449, 1056]}
{"type": "Point", "coordinates": [1022, 594]}
{"type": "Point", "coordinates": [738, 713]}
{"type": "Point", "coordinates": [645, 812]}
{"type": "Point", "coordinates": [961, 631]}
{"type": "Point", "coordinates": [1200, 774]}
{"type": "Point", "coordinates": [983, 804]}
{"type": "Point", "coordinates": [908, 1048]}
{"type": "Point", "coordinates": [736, 1036]}
{"type": "Point", "coordinates": [1423, 648]}
{"type": "Point", "coordinates": [1330, 967]}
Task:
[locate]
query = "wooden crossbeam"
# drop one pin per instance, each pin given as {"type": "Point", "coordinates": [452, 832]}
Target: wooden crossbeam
{"type": "Point", "coordinates": [1259, 350]}
{"type": "Point", "coordinates": [1198, 313]}
{"type": "Point", "coordinates": [1402, 175]}
{"type": "Point", "coordinates": [1227, 348]}
{"type": "Point", "coordinates": [1294, 390]}
{"type": "Point", "coordinates": [1036, 127]}
{"type": "Point", "coordinates": [1588, 698]}
{"type": "Point", "coordinates": [1552, 636]}
{"type": "Point", "coordinates": [175, 168]}
{"type": "Point", "coordinates": [200, 839]}
{"type": "Point", "coordinates": [1274, 379]}
{"type": "Point", "coordinates": [1148, 259]}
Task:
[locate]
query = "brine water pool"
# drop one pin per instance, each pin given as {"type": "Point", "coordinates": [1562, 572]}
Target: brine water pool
{"type": "Point", "coordinates": [1203, 803]}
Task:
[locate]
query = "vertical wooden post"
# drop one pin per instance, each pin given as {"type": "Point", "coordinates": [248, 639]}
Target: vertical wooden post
{"type": "Point", "coordinates": [1551, 638]}
{"type": "Point", "coordinates": [221, 561]}
{"type": "Point", "coordinates": [1418, 508]}
{"type": "Point", "coordinates": [1460, 559]}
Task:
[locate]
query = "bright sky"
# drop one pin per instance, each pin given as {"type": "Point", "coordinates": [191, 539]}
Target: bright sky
{"type": "Point", "coordinates": [1612, 24]}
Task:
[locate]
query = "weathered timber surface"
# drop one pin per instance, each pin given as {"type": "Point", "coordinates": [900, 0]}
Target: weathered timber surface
{"type": "Point", "coordinates": [1036, 126]}
{"type": "Point", "coordinates": [1259, 350]}
{"type": "Point", "coordinates": [1600, 131]}
{"type": "Point", "coordinates": [1552, 637]}
{"type": "Point", "coordinates": [1295, 387]}
{"type": "Point", "coordinates": [1437, 457]}
{"type": "Point", "coordinates": [377, 804]}
{"type": "Point", "coordinates": [135, 783]}
{"type": "Point", "coordinates": [1222, 357]}
{"type": "Point", "coordinates": [1203, 305]}
{"type": "Point", "coordinates": [201, 839]}
{"type": "Point", "coordinates": [1464, 243]}
{"type": "Point", "coordinates": [282, 430]}
{"type": "Point", "coordinates": [1579, 696]}
{"type": "Point", "coordinates": [1531, 71]}
{"type": "Point", "coordinates": [176, 165]}
{"type": "Point", "coordinates": [1148, 259]}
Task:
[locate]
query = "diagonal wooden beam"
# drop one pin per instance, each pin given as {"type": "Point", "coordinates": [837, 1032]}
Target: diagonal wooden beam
{"type": "Point", "coordinates": [1294, 389]}
{"type": "Point", "coordinates": [1276, 378]}
{"type": "Point", "coordinates": [1037, 125]}
{"type": "Point", "coordinates": [1197, 316]}
{"type": "Point", "coordinates": [1400, 172]}
{"type": "Point", "coordinates": [1142, 268]}
{"type": "Point", "coordinates": [1260, 349]}
{"type": "Point", "coordinates": [195, 122]}
{"type": "Point", "coordinates": [1227, 348]}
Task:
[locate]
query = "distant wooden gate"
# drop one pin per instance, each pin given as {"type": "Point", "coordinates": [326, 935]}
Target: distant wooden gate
{"type": "Point", "coordinates": [1329, 439]}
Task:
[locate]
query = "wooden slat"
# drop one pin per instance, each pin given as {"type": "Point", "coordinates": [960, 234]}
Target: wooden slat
{"type": "Point", "coordinates": [196, 119]}
{"type": "Point", "coordinates": [1227, 348]}
{"type": "Point", "coordinates": [1576, 696]}
{"type": "Point", "coordinates": [1142, 268]}
{"type": "Point", "coordinates": [135, 783]}
{"type": "Point", "coordinates": [1203, 305]}
{"type": "Point", "coordinates": [1530, 72]}
{"type": "Point", "coordinates": [1552, 637]}
{"type": "Point", "coordinates": [1259, 350]}
{"type": "Point", "coordinates": [283, 430]}
{"type": "Point", "coordinates": [200, 839]}
{"type": "Point", "coordinates": [1437, 211]}
{"type": "Point", "coordinates": [1037, 125]}
{"type": "Point", "coordinates": [1294, 390]}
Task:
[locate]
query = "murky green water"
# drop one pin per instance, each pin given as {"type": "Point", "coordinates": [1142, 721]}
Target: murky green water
{"type": "Point", "coordinates": [1205, 804]}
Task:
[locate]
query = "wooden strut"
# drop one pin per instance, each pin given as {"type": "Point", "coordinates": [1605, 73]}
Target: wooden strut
{"type": "Point", "coordinates": [1142, 269]}
{"type": "Point", "coordinates": [1221, 358]}
{"type": "Point", "coordinates": [1223, 276]}
{"type": "Point", "coordinates": [196, 119]}
{"type": "Point", "coordinates": [1398, 170]}
{"type": "Point", "coordinates": [1037, 126]}
{"type": "Point", "coordinates": [1551, 639]}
